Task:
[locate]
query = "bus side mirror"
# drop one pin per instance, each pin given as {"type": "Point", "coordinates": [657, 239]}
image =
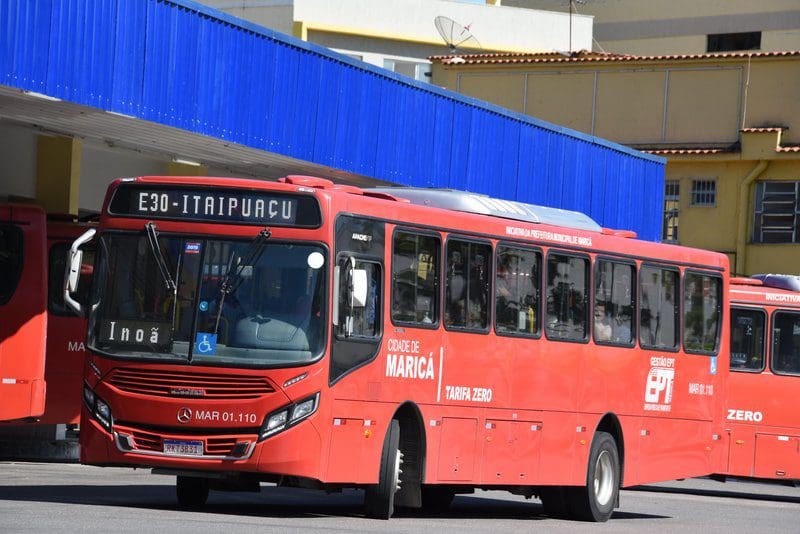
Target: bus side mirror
{"type": "Point", "coordinates": [73, 274]}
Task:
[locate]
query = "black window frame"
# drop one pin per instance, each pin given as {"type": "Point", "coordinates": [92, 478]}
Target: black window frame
{"type": "Point", "coordinates": [772, 341]}
{"type": "Point", "coordinates": [720, 312]}
{"type": "Point", "coordinates": [634, 300]}
{"type": "Point", "coordinates": [587, 299]}
{"type": "Point", "coordinates": [765, 338]}
{"type": "Point", "coordinates": [438, 281]}
{"type": "Point", "coordinates": [537, 309]}
{"type": "Point", "coordinates": [488, 288]}
{"type": "Point", "coordinates": [677, 302]}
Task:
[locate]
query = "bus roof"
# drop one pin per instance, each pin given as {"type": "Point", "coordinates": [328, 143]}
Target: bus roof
{"type": "Point", "coordinates": [452, 199]}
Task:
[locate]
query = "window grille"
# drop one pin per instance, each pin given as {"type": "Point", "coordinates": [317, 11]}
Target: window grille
{"type": "Point", "coordinates": [777, 205]}
{"type": "Point", "coordinates": [672, 197]}
{"type": "Point", "coordinates": [704, 193]}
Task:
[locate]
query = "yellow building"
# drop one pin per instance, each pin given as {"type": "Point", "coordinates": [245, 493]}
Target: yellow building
{"type": "Point", "coordinates": [728, 124]}
{"type": "Point", "coordinates": [644, 27]}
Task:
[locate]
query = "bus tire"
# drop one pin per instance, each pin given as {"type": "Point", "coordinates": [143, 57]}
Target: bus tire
{"type": "Point", "coordinates": [192, 492]}
{"type": "Point", "coordinates": [596, 501]}
{"type": "Point", "coordinates": [379, 498]}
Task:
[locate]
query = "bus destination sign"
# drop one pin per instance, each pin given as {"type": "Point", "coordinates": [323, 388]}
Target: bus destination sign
{"type": "Point", "coordinates": [216, 205]}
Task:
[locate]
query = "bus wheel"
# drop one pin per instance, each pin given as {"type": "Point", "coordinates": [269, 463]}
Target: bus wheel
{"type": "Point", "coordinates": [596, 501]}
{"type": "Point", "coordinates": [192, 492]}
{"type": "Point", "coordinates": [379, 499]}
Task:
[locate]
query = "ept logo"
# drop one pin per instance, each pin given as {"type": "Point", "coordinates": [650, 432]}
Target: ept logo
{"type": "Point", "coordinates": [658, 388]}
{"type": "Point", "coordinates": [659, 382]}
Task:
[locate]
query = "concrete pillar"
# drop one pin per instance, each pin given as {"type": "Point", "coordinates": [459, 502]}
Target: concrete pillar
{"type": "Point", "coordinates": [58, 173]}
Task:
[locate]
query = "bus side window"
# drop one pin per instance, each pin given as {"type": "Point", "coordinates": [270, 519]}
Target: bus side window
{"type": "Point", "coordinates": [356, 318]}
{"type": "Point", "coordinates": [747, 339]}
{"type": "Point", "coordinates": [415, 278]}
{"type": "Point", "coordinates": [567, 302]}
{"type": "Point", "coordinates": [467, 285]}
{"type": "Point", "coordinates": [516, 291]}
{"type": "Point", "coordinates": [702, 297]}
{"type": "Point", "coordinates": [786, 343]}
{"type": "Point", "coordinates": [658, 308]}
{"type": "Point", "coordinates": [614, 303]}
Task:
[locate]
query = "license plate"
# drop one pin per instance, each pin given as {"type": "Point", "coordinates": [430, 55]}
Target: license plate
{"type": "Point", "coordinates": [190, 448]}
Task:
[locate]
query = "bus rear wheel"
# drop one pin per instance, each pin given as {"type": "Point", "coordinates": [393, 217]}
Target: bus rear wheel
{"type": "Point", "coordinates": [596, 501]}
{"type": "Point", "coordinates": [192, 492]}
{"type": "Point", "coordinates": [379, 499]}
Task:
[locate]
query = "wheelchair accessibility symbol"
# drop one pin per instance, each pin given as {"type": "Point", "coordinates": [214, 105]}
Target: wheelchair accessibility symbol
{"type": "Point", "coordinates": [205, 344]}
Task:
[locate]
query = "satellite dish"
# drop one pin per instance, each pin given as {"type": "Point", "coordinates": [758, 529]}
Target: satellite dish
{"type": "Point", "coordinates": [454, 34]}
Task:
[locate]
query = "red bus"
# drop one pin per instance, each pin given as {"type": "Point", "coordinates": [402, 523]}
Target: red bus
{"type": "Point", "coordinates": [41, 340]}
{"type": "Point", "coordinates": [763, 426]}
{"type": "Point", "coordinates": [414, 343]}
{"type": "Point", "coordinates": [23, 306]}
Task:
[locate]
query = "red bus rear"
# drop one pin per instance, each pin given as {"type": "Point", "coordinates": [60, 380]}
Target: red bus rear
{"type": "Point", "coordinates": [32, 261]}
{"type": "Point", "coordinates": [414, 343]}
{"type": "Point", "coordinates": [762, 420]}
{"type": "Point", "coordinates": [23, 308]}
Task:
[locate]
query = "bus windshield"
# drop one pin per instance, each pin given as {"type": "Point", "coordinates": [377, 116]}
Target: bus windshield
{"type": "Point", "coordinates": [208, 301]}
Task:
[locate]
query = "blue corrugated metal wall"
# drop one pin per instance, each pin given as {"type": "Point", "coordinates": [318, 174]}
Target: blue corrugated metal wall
{"type": "Point", "coordinates": [185, 65]}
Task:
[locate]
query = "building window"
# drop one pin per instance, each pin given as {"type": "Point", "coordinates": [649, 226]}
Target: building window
{"type": "Point", "coordinates": [704, 193]}
{"type": "Point", "coordinates": [672, 208]}
{"type": "Point", "coordinates": [723, 42]}
{"type": "Point", "coordinates": [408, 68]}
{"type": "Point", "coordinates": [776, 212]}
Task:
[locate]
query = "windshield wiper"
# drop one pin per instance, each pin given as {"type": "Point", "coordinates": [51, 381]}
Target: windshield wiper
{"type": "Point", "coordinates": [152, 238]}
{"type": "Point", "coordinates": [233, 275]}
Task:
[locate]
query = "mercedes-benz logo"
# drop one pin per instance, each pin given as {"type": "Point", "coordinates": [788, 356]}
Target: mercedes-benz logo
{"type": "Point", "coordinates": [184, 415]}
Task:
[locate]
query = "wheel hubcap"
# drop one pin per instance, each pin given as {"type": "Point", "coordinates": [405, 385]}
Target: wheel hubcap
{"type": "Point", "coordinates": [604, 478]}
{"type": "Point", "coordinates": [398, 463]}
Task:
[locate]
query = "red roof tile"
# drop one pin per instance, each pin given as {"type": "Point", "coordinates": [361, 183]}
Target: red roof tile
{"type": "Point", "coordinates": [586, 56]}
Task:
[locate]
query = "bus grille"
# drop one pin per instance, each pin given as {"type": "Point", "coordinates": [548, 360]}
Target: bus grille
{"type": "Point", "coordinates": [212, 446]}
{"type": "Point", "coordinates": [189, 385]}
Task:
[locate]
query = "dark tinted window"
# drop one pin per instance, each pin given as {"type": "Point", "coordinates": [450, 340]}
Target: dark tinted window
{"type": "Point", "coordinates": [10, 260]}
{"type": "Point", "coordinates": [467, 285]}
{"type": "Point", "coordinates": [702, 296]}
{"type": "Point", "coordinates": [747, 340]}
{"type": "Point", "coordinates": [516, 291]}
{"type": "Point", "coordinates": [415, 278]}
{"type": "Point", "coordinates": [614, 303]}
{"type": "Point", "coordinates": [567, 298]}
{"type": "Point", "coordinates": [658, 308]}
{"type": "Point", "coordinates": [786, 343]}
{"type": "Point", "coordinates": [722, 42]}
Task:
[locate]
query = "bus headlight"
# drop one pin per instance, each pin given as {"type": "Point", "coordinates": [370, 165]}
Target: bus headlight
{"type": "Point", "coordinates": [288, 416]}
{"type": "Point", "coordinates": [98, 408]}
